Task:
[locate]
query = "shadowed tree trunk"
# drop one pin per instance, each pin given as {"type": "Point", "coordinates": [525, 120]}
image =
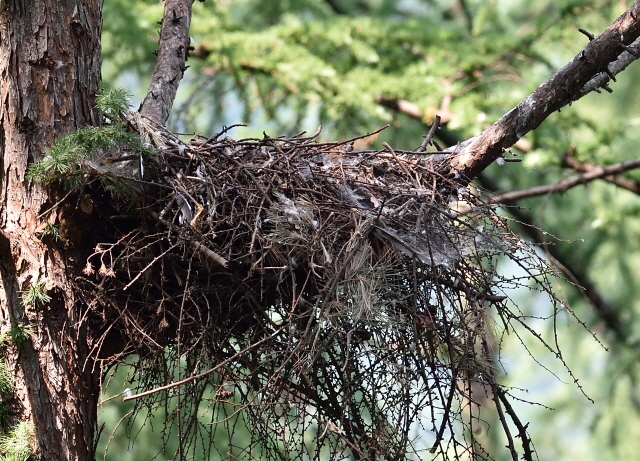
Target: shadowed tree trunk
{"type": "Point", "coordinates": [49, 75]}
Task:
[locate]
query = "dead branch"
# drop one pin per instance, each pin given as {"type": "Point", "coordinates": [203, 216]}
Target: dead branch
{"type": "Point", "coordinates": [629, 184]}
{"type": "Point", "coordinates": [173, 50]}
{"type": "Point", "coordinates": [596, 172]}
{"type": "Point", "coordinates": [561, 89]}
{"type": "Point", "coordinates": [429, 137]}
{"type": "Point", "coordinates": [522, 428]}
{"type": "Point", "coordinates": [601, 80]}
{"type": "Point", "coordinates": [203, 374]}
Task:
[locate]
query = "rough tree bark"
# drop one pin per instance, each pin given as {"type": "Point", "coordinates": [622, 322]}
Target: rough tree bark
{"type": "Point", "coordinates": [173, 51]}
{"type": "Point", "coordinates": [49, 75]}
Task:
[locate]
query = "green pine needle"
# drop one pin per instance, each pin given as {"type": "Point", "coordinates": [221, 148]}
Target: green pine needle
{"type": "Point", "coordinates": [113, 103]}
{"type": "Point", "coordinates": [17, 444]}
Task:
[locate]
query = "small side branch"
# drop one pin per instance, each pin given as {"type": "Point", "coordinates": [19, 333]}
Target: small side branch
{"type": "Point", "coordinates": [575, 272]}
{"type": "Point", "coordinates": [600, 81]}
{"type": "Point", "coordinates": [595, 172]}
{"type": "Point", "coordinates": [624, 183]}
{"type": "Point", "coordinates": [430, 134]}
{"type": "Point", "coordinates": [522, 428]}
{"type": "Point", "coordinates": [505, 425]}
{"type": "Point", "coordinates": [173, 50]}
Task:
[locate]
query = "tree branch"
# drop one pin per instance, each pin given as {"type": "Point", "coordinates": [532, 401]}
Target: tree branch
{"type": "Point", "coordinates": [604, 309]}
{"type": "Point", "coordinates": [173, 50]}
{"type": "Point", "coordinates": [624, 183]}
{"type": "Point", "coordinates": [204, 373]}
{"type": "Point", "coordinates": [595, 172]}
{"type": "Point", "coordinates": [429, 137]}
{"type": "Point", "coordinates": [522, 428]}
{"type": "Point", "coordinates": [561, 89]}
{"type": "Point", "coordinates": [576, 272]}
{"type": "Point", "coordinates": [617, 66]}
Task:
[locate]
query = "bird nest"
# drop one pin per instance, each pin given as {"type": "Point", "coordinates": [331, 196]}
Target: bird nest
{"type": "Point", "coordinates": [305, 299]}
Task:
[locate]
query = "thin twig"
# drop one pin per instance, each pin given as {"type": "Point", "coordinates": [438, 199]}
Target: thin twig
{"type": "Point", "coordinates": [153, 261]}
{"type": "Point", "coordinates": [402, 165]}
{"type": "Point", "coordinates": [53, 207]}
{"type": "Point", "coordinates": [430, 134]}
{"type": "Point", "coordinates": [204, 373]}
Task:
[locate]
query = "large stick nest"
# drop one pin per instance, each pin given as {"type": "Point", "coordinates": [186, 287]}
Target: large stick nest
{"type": "Point", "coordinates": [336, 301]}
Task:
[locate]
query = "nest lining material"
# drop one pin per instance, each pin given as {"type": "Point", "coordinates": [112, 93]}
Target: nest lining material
{"type": "Point", "coordinates": [359, 284]}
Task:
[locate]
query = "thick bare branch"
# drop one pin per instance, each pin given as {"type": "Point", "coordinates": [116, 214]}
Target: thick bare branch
{"type": "Point", "coordinates": [561, 89]}
{"type": "Point", "coordinates": [173, 48]}
{"type": "Point", "coordinates": [620, 64]}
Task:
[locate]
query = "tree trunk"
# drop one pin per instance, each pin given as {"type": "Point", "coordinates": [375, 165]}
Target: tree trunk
{"type": "Point", "coordinates": [49, 75]}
